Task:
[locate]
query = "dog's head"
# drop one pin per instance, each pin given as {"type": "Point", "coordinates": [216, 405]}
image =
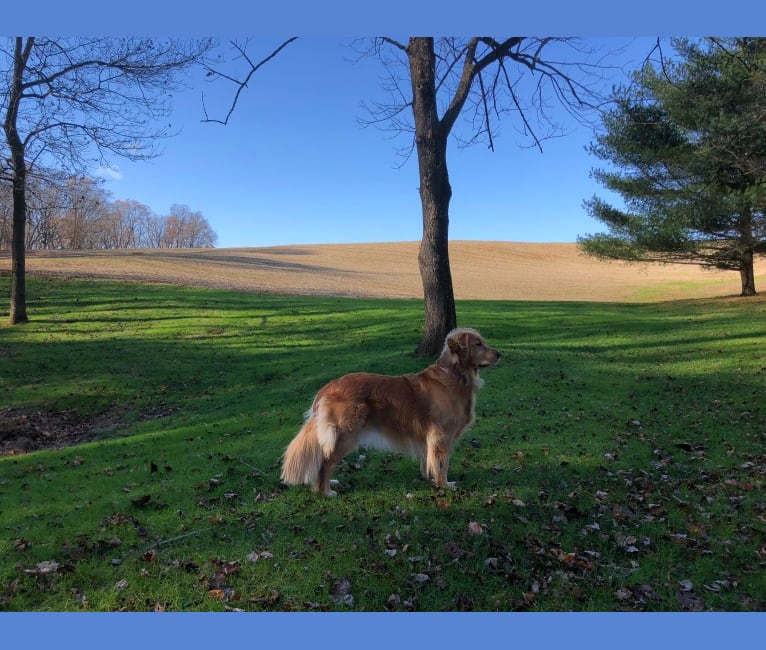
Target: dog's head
{"type": "Point", "coordinates": [465, 352]}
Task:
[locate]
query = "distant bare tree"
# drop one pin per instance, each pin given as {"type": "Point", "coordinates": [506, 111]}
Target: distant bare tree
{"type": "Point", "coordinates": [154, 232]}
{"type": "Point", "coordinates": [188, 229]}
{"type": "Point", "coordinates": [6, 216]}
{"type": "Point", "coordinates": [67, 102]}
{"type": "Point", "coordinates": [127, 224]}
{"type": "Point", "coordinates": [45, 199]}
{"type": "Point", "coordinates": [83, 205]}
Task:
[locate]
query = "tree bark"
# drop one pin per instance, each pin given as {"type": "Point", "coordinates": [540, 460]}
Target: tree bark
{"type": "Point", "coordinates": [18, 308]}
{"type": "Point", "coordinates": [435, 194]}
{"type": "Point", "coordinates": [747, 274]}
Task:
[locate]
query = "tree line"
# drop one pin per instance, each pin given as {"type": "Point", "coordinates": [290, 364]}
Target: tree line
{"type": "Point", "coordinates": [76, 213]}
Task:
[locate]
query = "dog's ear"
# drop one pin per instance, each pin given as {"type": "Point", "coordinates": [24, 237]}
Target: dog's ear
{"type": "Point", "coordinates": [458, 344]}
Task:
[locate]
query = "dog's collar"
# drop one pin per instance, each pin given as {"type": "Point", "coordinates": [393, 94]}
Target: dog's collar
{"type": "Point", "coordinates": [452, 372]}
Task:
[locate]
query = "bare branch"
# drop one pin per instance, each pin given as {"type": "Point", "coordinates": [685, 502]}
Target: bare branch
{"type": "Point", "coordinates": [241, 84]}
{"type": "Point", "coordinates": [486, 78]}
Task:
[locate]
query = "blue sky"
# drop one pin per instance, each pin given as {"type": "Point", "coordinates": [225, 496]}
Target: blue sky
{"type": "Point", "coordinates": [294, 165]}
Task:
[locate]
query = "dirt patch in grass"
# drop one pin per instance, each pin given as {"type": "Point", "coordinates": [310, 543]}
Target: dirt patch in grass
{"type": "Point", "coordinates": [480, 270]}
{"type": "Point", "coordinates": [22, 431]}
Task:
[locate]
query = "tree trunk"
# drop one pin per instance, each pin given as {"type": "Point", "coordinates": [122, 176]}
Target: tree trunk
{"type": "Point", "coordinates": [18, 312]}
{"type": "Point", "coordinates": [435, 194]}
{"type": "Point", "coordinates": [747, 274]}
{"type": "Point", "coordinates": [18, 309]}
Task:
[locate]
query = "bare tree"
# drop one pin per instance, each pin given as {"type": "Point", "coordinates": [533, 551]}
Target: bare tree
{"type": "Point", "coordinates": [186, 228]}
{"type": "Point", "coordinates": [128, 224]}
{"type": "Point", "coordinates": [69, 102]}
{"type": "Point", "coordinates": [83, 205]}
{"type": "Point", "coordinates": [485, 79]}
{"type": "Point", "coordinates": [44, 204]}
{"type": "Point", "coordinates": [154, 232]}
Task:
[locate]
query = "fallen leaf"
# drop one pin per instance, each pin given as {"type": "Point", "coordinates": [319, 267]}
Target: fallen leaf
{"type": "Point", "coordinates": [44, 568]}
{"type": "Point", "coordinates": [393, 602]}
{"type": "Point", "coordinates": [269, 599]}
{"type": "Point", "coordinates": [141, 501]}
{"type": "Point", "coordinates": [453, 550]}
{"type": "Point", "coordinates": [340, 592]}
{"type": "Point", "coordinates": [474, 528]}
{"type": "Point", "coordinates": [689, 601]}
{"type": "Point", "coordinates": [623, 593]}
{"type": "Point", "coordinates": [118, 519]}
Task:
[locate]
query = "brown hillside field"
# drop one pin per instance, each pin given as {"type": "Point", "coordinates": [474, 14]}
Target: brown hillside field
{"type": "Point", "coordinates": [480, 270]}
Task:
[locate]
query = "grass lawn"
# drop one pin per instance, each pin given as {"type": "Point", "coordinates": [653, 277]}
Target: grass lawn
{"type": "Point", "coordinates": [617, 461]}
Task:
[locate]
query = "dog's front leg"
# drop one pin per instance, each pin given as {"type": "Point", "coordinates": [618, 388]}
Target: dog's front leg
{"type": "Point", "coordinates": [437, 463]}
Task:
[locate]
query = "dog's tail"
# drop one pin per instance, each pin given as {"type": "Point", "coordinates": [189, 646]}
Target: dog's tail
{"type": "Point", "coordinates": [304, 455]}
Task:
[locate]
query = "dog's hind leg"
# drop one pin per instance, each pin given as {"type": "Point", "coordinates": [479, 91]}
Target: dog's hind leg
{"type": "Point", "coordinates": [345, 443]}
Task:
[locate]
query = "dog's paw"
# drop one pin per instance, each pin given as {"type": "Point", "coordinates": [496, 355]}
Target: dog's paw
{"type": "Point", "coordinates": [331, 493]}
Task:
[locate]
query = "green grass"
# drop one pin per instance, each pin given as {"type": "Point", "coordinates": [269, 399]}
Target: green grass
{"type": "Point", "coordinates": [617, 460]}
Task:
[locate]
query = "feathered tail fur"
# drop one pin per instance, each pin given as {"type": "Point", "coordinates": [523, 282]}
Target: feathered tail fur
{"type": "Point", "coordinates": [304, 456]}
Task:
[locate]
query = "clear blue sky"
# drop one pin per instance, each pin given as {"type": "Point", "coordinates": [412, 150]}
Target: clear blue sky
{"type": "Point", "coordinates": [294, 165]}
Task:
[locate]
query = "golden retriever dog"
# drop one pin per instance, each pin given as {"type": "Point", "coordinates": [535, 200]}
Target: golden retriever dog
{"type": "Point", "coordinates": [421, 414]}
